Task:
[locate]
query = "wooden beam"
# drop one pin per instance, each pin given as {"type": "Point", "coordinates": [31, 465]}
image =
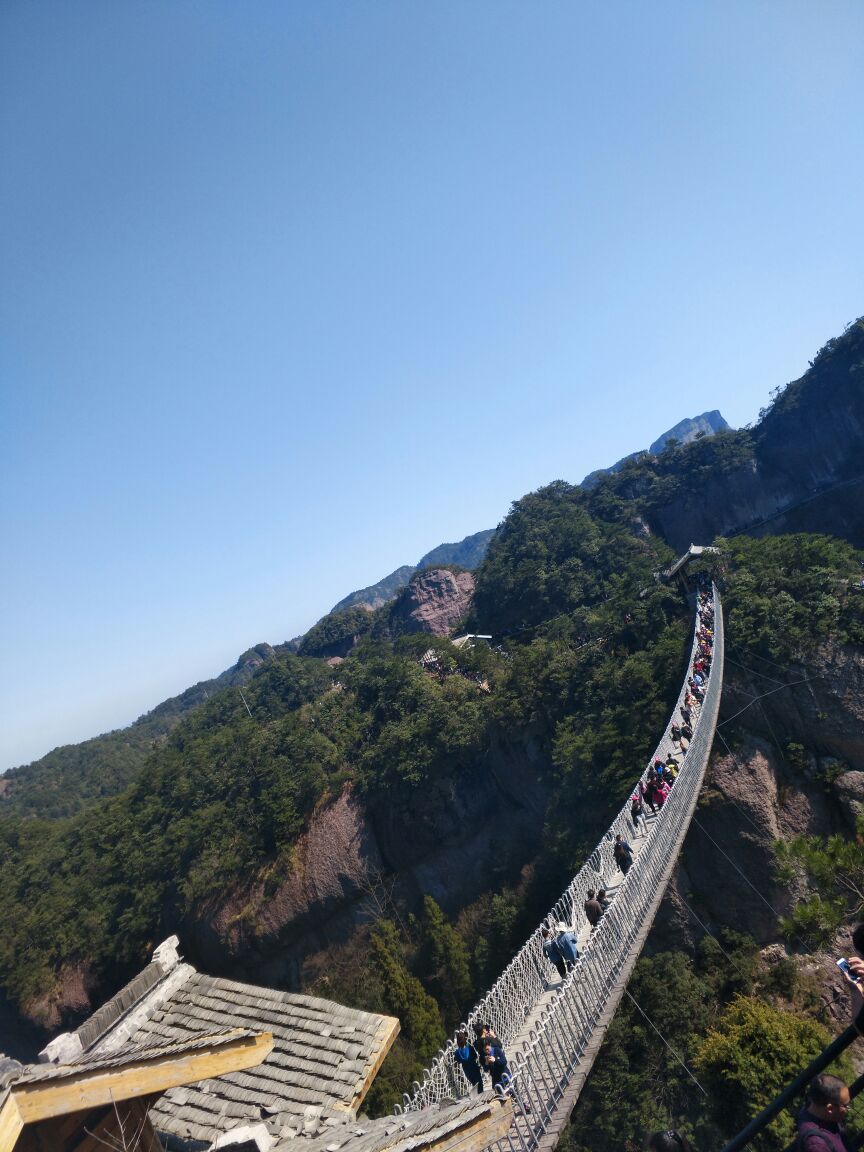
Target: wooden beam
{"type": "Point", "coordinates": [475, 1133]}
{"type": "Point", "coordinates": [478, 1135]}
{"type": "Point", "coordinates": [42, 1099]}
{"type": "Point", "coordinates": [385, 1037]}
{"type": "Point", "coordinates": [11, 1124]}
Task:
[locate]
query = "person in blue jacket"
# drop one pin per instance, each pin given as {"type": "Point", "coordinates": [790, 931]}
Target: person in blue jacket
{"type": "Point", "coordinates": [495, 1063]}
{"type": "Point", "coordinates": [566, 941]}
{"type": "Point", "coordinates": [468, 1060]}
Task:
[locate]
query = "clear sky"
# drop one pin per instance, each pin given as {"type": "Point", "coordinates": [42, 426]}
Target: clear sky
{"type": "Point", "coordinates": [294, 292]}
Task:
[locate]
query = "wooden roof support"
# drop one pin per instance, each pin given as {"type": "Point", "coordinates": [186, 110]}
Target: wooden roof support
{"type": "Point", "coordinates": [387, 1032]}
{"type": "Point", "coordinates": [43, 1099]}
{"type": "Point", "coordinates": [10, 1124]}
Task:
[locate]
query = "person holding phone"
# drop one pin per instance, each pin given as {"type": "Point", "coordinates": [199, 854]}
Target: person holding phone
{"type": "Point", "coordinates": [853, 972]}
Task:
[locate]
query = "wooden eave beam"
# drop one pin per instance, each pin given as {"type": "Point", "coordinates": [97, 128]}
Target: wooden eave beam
{"type": "Point", "coordinates": [43, 1099]}
{"type": "Point", "coordinates": [475, 1134]}
{"type": "Point", "coordinates": [384, 1040]}
{"type": "Point", "coordinates": [10, 1124]}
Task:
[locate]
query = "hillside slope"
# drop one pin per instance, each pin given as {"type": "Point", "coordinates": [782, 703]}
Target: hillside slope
{"type": "Point", "coordinates": [467, 553]}
{"type": "Point", "coordinates": [386, 830]}
{"type": "Point", "coordinates": [70, 777]}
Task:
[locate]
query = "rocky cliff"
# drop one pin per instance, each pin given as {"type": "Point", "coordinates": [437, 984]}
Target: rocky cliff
{"type": "Point", "coordinates": [691, 428]}
{"type": "Point", "coordinates": [800, 470]}
{"type": "Point", "coordinates": [759, 790]}
{"type": "Point", "coordinates": [467, 553]}
{"type": "Point", "coordinates": [361, 858]}
{"type": "Point", "coordinates": [435, 601]}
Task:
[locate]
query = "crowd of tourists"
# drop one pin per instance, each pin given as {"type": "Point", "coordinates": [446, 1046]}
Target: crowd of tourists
{"type": "Point", "coordinates": [484, 1055]}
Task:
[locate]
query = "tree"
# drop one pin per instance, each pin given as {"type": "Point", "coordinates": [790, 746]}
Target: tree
{"type": "Point", "coordinates": [750, 1056]}
{"type": "Point", "coordinates": [835, 868]}
{"type": "Point", "coordinates": [448, 963]}
{"type": "Point", "coordinates": [404, 995]}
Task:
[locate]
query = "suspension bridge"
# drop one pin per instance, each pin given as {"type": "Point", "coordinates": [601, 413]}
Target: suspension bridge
{"type": "Point", "coordinates": [552, 1027]}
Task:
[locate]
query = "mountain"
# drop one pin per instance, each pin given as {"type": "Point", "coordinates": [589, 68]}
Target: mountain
{"type": "Point", "coordinates": [800, 469]}
{"type": "Point", "coordinates": [467, 553]}
{"type": "Point", "coordinates": [385, 832]}
{"type": "Point", "coordinates": [691, 428]}
{"type": "Point", "coordinates": [73, 775]}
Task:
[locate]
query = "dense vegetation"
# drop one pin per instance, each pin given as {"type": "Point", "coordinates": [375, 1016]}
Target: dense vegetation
{"type": "Point", "coordinates": [735, 1029]}
{"type": "Point", "coordinates": [788, 593]}
{"type": "Point", "coordinates": [335, 633]}
{"type": "Point", "coordinates": [70, 777]}
{"type": "Point", "coordinates": [587, 657]}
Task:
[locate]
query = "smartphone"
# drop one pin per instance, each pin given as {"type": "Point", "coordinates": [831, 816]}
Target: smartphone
{"type": "Point", "coordinates": [843, 965]}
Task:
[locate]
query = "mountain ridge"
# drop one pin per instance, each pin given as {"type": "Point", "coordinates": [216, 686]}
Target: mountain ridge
{"type": "Point", "coordinates": [467, 553]}
{"type": "Point", "coordinates": [686, 430]}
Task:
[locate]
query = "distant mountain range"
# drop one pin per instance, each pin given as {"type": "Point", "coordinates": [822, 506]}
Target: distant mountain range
{"type": "Point", "coordinates": [469, 553]}
{"type": "Point", "coordinates": [58, 783]}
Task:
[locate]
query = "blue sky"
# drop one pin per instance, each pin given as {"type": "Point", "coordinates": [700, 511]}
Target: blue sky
{"type": "Point", "coordinates": [291, 293]}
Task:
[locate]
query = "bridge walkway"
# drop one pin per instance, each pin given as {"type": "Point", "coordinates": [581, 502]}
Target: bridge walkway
{"type": "Point", "coordinates": [556, 983]}
{"type": "Point", "coordinates": [552, 1028]}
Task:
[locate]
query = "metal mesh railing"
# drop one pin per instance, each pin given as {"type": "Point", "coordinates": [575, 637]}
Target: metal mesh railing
{"type": "Point", "coordinates": [558, 1037]}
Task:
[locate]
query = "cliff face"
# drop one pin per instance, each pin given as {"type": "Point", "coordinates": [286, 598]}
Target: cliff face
{"type": "Point", "coordinates": [467, 553]}
{"type": "Point", "coordinates": [455, 841]}
{"type": "Point", "coordinates": [806, 472]}
{"type": "Point", "coordinates": [690, 427]}
{"type": "Point", "coordinates": [755, 795]}
{"type": "Point", "coordinates": [435, 601]}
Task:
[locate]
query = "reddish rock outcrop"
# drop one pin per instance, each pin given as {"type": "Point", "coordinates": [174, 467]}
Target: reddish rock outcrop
{"type": "Point", "coordinates": [435, 601]}
{"type": "Point", "coordinates": [465, 834]}
{"type": "Point", "coordinates": [70, 996]}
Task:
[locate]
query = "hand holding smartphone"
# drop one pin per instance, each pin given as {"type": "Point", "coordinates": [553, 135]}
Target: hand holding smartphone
{"type": "Point", "coordinates": [843, 965]}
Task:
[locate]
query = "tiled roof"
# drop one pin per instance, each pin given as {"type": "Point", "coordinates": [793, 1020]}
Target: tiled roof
{"type": "Point", "coordinates": [323, 1060]}
{"type": "Point", "coordinates": [412, 1130]}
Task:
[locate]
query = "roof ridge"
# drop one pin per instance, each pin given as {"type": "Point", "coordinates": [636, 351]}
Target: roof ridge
{"type": "Point", "coordinates": [100, 1031]}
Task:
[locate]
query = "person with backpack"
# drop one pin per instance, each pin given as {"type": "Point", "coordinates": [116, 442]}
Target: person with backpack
{"type": "Point", "coordinates": [623, 854]}
{"type": "Point", "coordinates": [593, 909]}
{"type": "Point", "coordinates": [553, 953]}
{"type": "Point", "coordinates": [820, 1122]}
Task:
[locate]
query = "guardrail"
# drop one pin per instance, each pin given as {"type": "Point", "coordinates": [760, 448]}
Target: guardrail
{"type": "Point", "coordinates": [558, 1039]}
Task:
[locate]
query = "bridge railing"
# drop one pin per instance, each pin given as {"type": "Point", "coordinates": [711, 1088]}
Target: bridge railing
{"type": "Point", "coordinates": [542, 1069]}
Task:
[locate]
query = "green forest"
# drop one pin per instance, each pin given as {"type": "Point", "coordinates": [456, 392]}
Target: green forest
{"type": "Point", "coordinates": [586, 659]}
